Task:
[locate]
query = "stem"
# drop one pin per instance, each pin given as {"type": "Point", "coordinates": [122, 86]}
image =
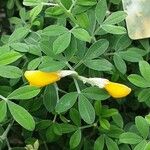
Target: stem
{"type": "Point", "coordinates": [67, 12]}
{"type": "Point", "coordinates": [62, 91]}
{"type": "Point", "coordinates": [88, 126]}
{"type": "Point", "coordinates": [50, 4]}
{"type": "Point", "coordinates": [75, 81]}
{"type": "Point", "coordinates": [73, 4]}
{"type": "Point", "coordinates": [4, 135]}
{"type": "Point", "coordinates": [77, 86]}
{"type": "Point", "coordinates": [54, 118]}
{"type": "Point", "coordinates": [79, 64]}
{"type": "Point", "coordinates": [96, 31]}
{"type": "Point", "coordinates": [109, 54]}
{"type": "Point", "coordinates": [3, 98]}
{"type": "Point", "coordinates": [8, 145]}
{"type": "Point", "coordinates": [57, 94]}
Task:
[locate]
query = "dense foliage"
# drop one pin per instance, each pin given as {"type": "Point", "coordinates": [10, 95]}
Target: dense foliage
{"type": "Point", "coordinates": [90, 37]}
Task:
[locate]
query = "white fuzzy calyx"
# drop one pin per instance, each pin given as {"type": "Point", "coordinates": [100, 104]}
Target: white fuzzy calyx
{"type": "Point", "coordinates": [64, 73]}
{"type": "Point", "coordinates": [100, 82]}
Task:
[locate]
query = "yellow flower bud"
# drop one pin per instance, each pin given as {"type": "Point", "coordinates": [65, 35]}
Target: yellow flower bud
{"type": "Point", "coordinates": [117, 90]}
{"type": "Point", "coordinates": [40, 79]}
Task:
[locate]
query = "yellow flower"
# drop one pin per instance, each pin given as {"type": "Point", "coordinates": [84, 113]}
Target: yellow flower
{"type": "Point", "coordinates": [40, 78]}
{"type": "Point", "coordinates": [117, 90]}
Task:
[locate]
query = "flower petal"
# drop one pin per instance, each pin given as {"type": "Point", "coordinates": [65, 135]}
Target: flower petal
{"type": "Point", "coordinates": [117, 90]}
{"type": "Point", "coordinates": [40, 79]}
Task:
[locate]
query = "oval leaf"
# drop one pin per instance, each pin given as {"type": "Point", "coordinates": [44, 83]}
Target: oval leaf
{"type": "Point", "coordinates": [75, 139]}
{"type": "Point", "coordinates": [10, 72]}
{"type": "Point", "coordinates": [21, 116]}
{"type": "Point", "coordinates": [3, 110]}
{"type": "Point", "coordinates": [86, 109]}
{"type": "Point", "coordinates": [66, 102]}
{"type": "Point", "coordinates": [61, 43]}
{"type": "Point", "coordinates": [25, 92]}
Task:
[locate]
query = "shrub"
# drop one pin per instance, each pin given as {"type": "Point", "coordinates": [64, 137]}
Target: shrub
{"type": "Point", "coordinates": [76, 47]}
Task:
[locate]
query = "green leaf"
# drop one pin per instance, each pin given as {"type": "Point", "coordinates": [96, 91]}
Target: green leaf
{"type": "Point", "coordinates": [83, 20]}
{"type": "Point", "coordinates": [111, 145]}
{"type": "Point", "coordinates": [35, 12]}
{"type": "Point", "coordinates": [54, 11]}
{"type": "Point", "coordinates": [130, 56]}
{"type": "Point", "coordinates": [138, 81]}
{"type": "Point", "coordinates": [130, 138]}
{"type": "Point", "coordinates": [100, 11]}
{"type": "Point", "coordinates": [35, 49]}
{"type": "Point", "coordinates": [141, 145]}
{"type": "Point", "coordinates": [105, 124]}
{"type": "Point", "coordinates": [145, 69]}
{"type": "Point", "coordinates": [113, 29]}
{"type": "Point", "coordinates": [97, 49]}
{"type": "Point", "coordinates": [144, 95]}
{"type": "Point", "coordinates": [3, 110]}
{"type": "Point", "coordinates": [50, 98]}
{"type": "Point", "coordinates": [114, 131]}
{"type": "Point", "coordinates": [86, 2]}
{"type": "Point", "coordinates": [67, 128]}
{"type": "Point", "coordinates": [105, 113]}
{"type": "Point", "coordinates": [20, 47]}
{"type": "Point", "coordinates": [86, 110]}
{"type": "Point", "coordinates": [51, 65]}
{"type": "Point", "coordinates": [25, 92]}
{"type": "Point", "coordinates": [142, 126]}
{"type": "Point", "coordinates": [99, 64]}
{"type": "Point", "coordinates": [34, 63]}
{"type": "Point", "coordinates": [118, 120]}
{"type": "Point", "coordinates": [10, 4]}
{"type": "Point", "coordinates": [75, 139]}
{"type": "Point", "coordinates": [122, 42]}
{"type": "Point", "coordinates": [72, 49]}
{"type": "Point", "coordinates": [33, 2]}
{"type": "Point", "coordinates": [21, 116]}
{"type": "Point", "coordinates": [95, 93]}
{"type": "Point", "coordinates": [66, 102]}
{"type": "Point", "coordinates": [9, 57]}
{"type": "Point", "coordinates": [54, 30]}
{"type": "Point", "coordinates": [99, 143]}
{"type": "Point", "coordinates": [75, 116]}
{"type": "Point", "coordinates": [147, 147]}
{"type": "Point", "coordinates": [18, 34]}
{"type": "Point", "coordinates": [115, 17]}
{"type": "Point", "coordinates": [147, 117]}
{"type": "Point", "coordinates": [10, 72]}
{"type": "Point", "coordinates": [81, 34]}
{"type": "Point", "coordinates": [61, 43]}
{"type": "Point", "coordinates": [120, 64]}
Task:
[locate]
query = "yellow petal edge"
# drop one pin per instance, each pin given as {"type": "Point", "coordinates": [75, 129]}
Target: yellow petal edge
{"type": "Point", "coordinates": [117, 90]}
{"type": "Point", "coordinates": [39, 78]}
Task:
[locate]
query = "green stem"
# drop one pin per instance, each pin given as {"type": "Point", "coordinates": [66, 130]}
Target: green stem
{"type": "Point", "coordinates": [49, 4]}
{"type": "Point", "coordinates": [88, 126]}
{"type": "Point", "coordinates": [77, 86]}
{"type": "Point", "coordinates": [75, 81]}
{"type": "Point", "coordinates": [78, 64]}
{"type": "Point", "coordinates": [8, 145]}
{"type": "Point", "coordinates": [96, 31]}
{"type": "Point", "coordinates": [73, 4]}
{"type": "Point", "coordinates": [62, 91]}
{"type": "Point", "coordinates": [4, 135]}
{"type": "Point", "coordinates": [67, 12]}
{"type": "Point", "coordinates": [57, 94]}
{"type": "Point", "coordinates": [3, 98]}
